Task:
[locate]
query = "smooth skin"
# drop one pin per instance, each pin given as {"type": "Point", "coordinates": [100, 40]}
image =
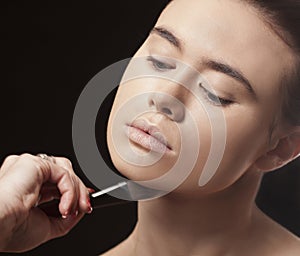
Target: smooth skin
{"type": "Point", "coordinates": [220, 218]}
{"type": "Point", "coordinates": [27, 181]}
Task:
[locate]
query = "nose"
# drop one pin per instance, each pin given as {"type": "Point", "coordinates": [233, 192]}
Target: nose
{"type": "Point", "coordinates": [168, 105]}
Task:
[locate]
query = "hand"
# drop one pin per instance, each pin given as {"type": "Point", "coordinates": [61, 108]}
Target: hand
{"type": "Point", "coordinates": [27, 181]}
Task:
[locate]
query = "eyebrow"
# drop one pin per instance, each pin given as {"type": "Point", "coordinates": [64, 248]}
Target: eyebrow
{"type": "Point", "coordinates": [211, 64]}
{"type": "Point", "coordinates": [169, 36]}
{"type": "Point", "coordinates": [230, 71]}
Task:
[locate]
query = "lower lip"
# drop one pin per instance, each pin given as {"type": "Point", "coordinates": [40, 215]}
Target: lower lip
{"type": "Point", "coordinates": [145, 140]}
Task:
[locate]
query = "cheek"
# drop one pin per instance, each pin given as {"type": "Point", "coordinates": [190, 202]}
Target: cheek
{"type": "Point", "coordinates": [245, 142]}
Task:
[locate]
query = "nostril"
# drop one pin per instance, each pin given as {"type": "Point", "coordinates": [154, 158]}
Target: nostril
{"type": "Point", "coordinates": [151, 103]}
{"type": "Point", "coordinates": [166, 111]}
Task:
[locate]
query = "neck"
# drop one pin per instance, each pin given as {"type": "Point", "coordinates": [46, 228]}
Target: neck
{"type": "Point", "coordinates": [178, 225]}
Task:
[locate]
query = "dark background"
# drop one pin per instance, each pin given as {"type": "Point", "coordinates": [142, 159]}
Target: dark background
{"type": "Point", "coordinates": [49, 51]}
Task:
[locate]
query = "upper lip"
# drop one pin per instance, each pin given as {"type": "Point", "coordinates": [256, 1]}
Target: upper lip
{"type": "Point", "coordinates": [153, 130]}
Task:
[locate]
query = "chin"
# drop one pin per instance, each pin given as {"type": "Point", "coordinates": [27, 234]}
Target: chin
{"type": "Point", "coordinates": [139, 172]}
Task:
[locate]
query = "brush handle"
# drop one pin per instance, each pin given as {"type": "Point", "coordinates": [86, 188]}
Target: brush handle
{"type": "Point", "coordinates": [51, 208]}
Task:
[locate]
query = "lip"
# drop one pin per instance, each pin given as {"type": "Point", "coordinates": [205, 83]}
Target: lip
{"type": "Point", "coordinates": [148, 136]}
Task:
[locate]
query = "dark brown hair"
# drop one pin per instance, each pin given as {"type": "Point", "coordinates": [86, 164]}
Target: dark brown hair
{"type": "Point", "coordinates": [283, 16]}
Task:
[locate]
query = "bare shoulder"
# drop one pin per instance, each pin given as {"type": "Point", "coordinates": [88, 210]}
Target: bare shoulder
{"type": "Point", "coordinates": [290, 246]}
{"type": "Point", "coordinates": [124, 249]}
{"type": "Point", "coordinates": [111, 252]}
{"type": "Point", "coordinates": [295, 249]}
{"type": "Point", "coordinates": [273, 239]}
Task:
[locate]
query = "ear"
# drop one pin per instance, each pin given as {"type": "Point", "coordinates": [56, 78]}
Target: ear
{"type": "Point", "coordinates": [286, 149]}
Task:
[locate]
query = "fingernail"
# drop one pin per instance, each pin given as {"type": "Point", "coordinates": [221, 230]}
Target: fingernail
{"type": "Point", "coordinates": [91, 190]}
{"type": "Point", "coordinates": [75, 214]}
{"type": "Point", "coordinates": [90, 210]}
{"type": "Point", "coordinates": [65, 215]}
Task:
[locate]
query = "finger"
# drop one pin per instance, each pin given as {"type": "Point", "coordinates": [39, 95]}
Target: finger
{"type": "Point", "coordinates": [91, 190]}
{"type": "Point", "coordinates": [80, 200]}
{"type": "Point", "coordinates": [68, 201]}
{"type": "Point", "coordinates": [8, 162]}
{"type": "Point", "coordinates": [66, 164]}
{"type": "Point", "coordinates": [75, 203]}
{"type": "Point", "coordinates": [63, 162]}
{"type": "Point", "coordinates": [84, 199]}
{"type": "Point", "coordinates": [64, 181]}
{"type": "Point", "coordinates": [60, 227]}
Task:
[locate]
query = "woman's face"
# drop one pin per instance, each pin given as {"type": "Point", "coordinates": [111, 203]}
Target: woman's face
{"type": "Point", "coordinates": [241, 61]}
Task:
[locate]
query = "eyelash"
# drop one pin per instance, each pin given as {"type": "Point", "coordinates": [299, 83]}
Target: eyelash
{"type": "Point", "coordinates": [214, 99]}
{"type": "Point", "coordinates": [209, 96]}
{"type": "Point", "coordinates": [159, 65]}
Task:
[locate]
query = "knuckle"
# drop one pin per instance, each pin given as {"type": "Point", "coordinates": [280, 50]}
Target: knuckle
{"type": "Point", "coordinates": [67, 162]}
{"type": "Point", "coordinates": [64, 162]}
{"type": "Point", "coordinates": [10, 158]}
{"type": "Point", "coordinates": [28, 159]}
{"type": "Point", "coordinates": [26, 156]}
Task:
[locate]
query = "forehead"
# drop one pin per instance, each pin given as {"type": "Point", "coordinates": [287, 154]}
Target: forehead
{"type": "Point", "coordinates": [229, 30]}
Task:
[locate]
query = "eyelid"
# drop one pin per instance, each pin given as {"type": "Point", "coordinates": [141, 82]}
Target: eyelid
{"type": "Point", "coordinates": [162, 60]}
{"type": "Point", "coordinates": [222, 102]}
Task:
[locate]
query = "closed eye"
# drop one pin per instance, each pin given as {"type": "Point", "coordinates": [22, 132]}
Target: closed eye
{"type": "Point", "coordinates": [160, 65]}
{"type": "Point", "coordinates": [214, 99]}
